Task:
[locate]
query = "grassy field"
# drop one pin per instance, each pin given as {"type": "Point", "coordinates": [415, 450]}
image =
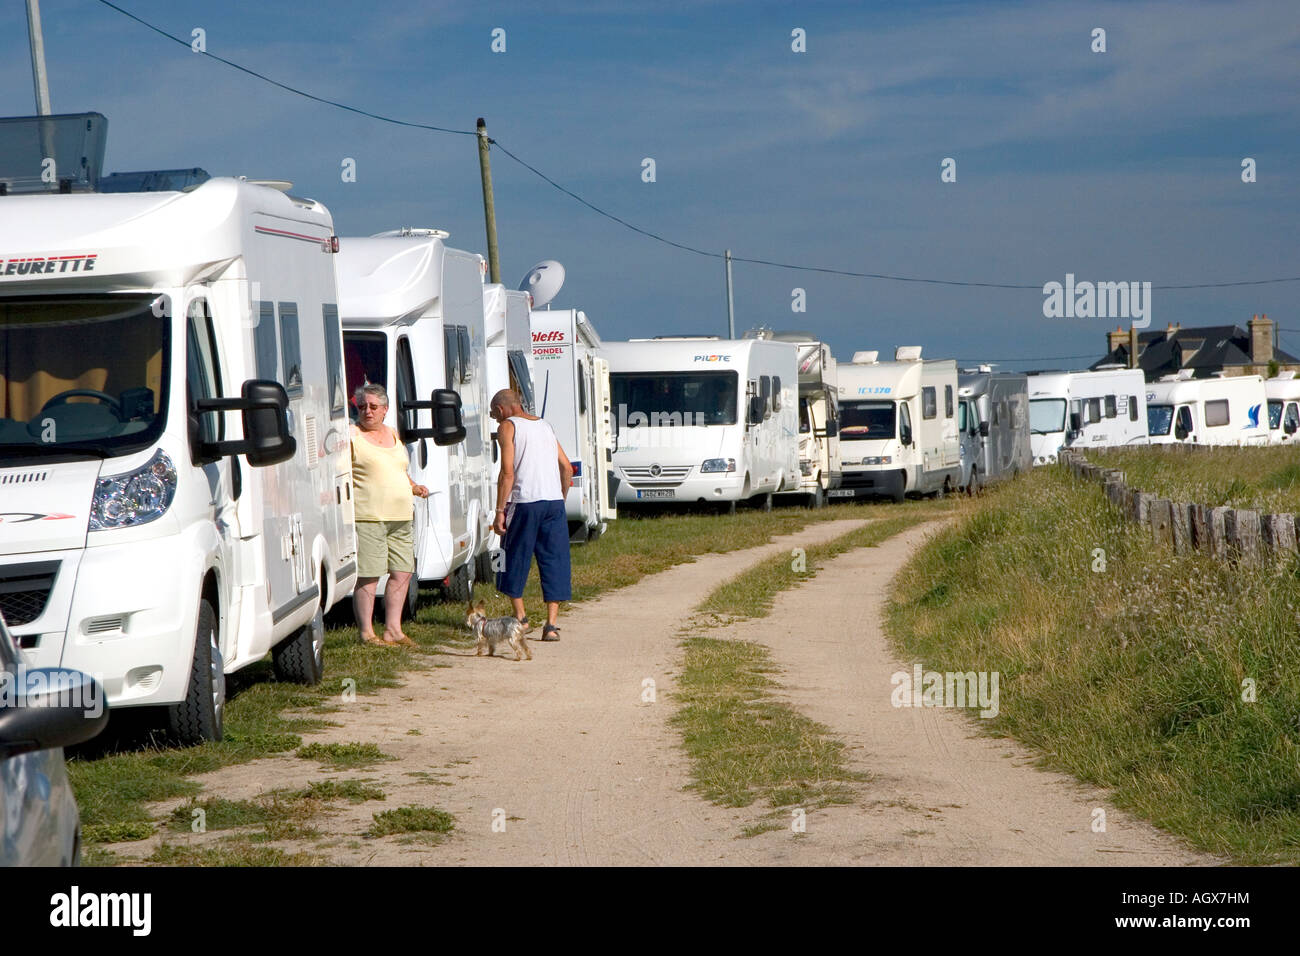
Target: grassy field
{"type": "Point", "coordinates": [1264, 479]}
{"type": "Point", "coordinates": [745, 745]}
{"type": "Point", "coordinates": [118, 775]}
{"type": "Point", "coordinates": [1172, 679]}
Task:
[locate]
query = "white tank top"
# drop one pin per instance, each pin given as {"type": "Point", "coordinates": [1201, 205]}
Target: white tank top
{"type": "Point", "coordinates": [537, 462]}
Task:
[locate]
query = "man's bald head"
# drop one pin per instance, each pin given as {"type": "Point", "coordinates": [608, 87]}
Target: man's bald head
{"type": "Point", "coordinates": [507, 402]}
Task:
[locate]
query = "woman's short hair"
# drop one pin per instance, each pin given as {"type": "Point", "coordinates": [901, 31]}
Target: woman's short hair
{"type": "Point", "coordinates": [378, 391]}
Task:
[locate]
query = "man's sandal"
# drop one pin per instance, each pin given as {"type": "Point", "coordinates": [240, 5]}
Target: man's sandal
{"type": "Point", "coordinates": [550, 633]}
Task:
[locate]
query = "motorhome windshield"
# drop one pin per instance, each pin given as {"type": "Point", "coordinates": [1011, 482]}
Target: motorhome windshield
{"type": "Point", "coordinates": [1046, 415]}
{"type": "Point", "coordinates": [1160, 418]}
{"type": "Point", "coordinates": [674, 398]}
{"type": "Point", "coordinates": [83, 374]}
{"type": "Point", "coordinates": [867, 420]}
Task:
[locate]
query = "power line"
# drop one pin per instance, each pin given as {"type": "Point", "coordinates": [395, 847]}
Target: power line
{"type": "Point", "coordinates": [637, 229]}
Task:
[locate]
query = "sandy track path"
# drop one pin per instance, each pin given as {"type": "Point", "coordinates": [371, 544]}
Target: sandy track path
{"type": "Point", "coordinates": [940, 793]}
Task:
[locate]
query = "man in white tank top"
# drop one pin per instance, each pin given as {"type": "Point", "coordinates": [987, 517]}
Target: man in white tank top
{"type": "Point", "coordinates": [535, 478]}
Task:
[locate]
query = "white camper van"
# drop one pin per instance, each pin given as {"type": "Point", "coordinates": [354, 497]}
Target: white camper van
{"type": "Point", "coordinates": [898, 425]}
{"type": "Point", "coordinates": [1283, 408]}
{"type": "Point", "coordinates": [993, 422]}
{"type": "Point", "coordinates": [704, 419]}
{"type": "Point", "coordinates": [571, 391]}
{"type": "Point", "coordinates": [1095, 409]}
{"type": "Point", "coordinates": [820, 471]}
{"type": "Point", "coordinates": [413, 322]}
{"type": "Point", "coordinates": [1207, 411]}
{"type": "Point", "coordinates": [148, 536]}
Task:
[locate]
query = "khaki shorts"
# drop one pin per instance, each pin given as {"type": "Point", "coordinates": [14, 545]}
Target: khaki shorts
{"type": "Point", "coordinates": [384, 546]}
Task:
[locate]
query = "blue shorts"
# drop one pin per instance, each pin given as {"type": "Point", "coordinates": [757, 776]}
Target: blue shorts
{"type": "Point", "coordinates": [538, 528]}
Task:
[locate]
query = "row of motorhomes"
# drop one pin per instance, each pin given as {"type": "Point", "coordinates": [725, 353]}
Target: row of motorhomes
{"type": "Point", "coordinates": [177, 371]}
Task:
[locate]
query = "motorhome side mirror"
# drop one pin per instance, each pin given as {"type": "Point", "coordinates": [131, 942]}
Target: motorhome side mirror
{"type": "Point", "coordinates": [984, 429]}
{"type": "Point", "coordinates": [1179, 431]}
{"type": "Point", "coordinates": [1076, 421]}
{"type": "Point", "coordinates": [905, 436]}
{"type": "Point", "coordinates": [1290, 427]}
{"type": "Point", "coordinates": [264, 407]}
{"type": "Point", "coordinates": [832, 428]}
{"type": "Point", "coordinates": [448, 419]}
{"type": "Point", "coordinates": [56, 707]}
{"type": "Point", "coordinates": [755, 409]}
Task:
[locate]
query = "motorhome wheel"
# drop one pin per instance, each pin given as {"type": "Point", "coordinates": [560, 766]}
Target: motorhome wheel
{"type": "Point", "coordinates": [483, 567]}
{"type": "Point", "coordinates": [300, 658]}
{"type": "Point", "coordinates": [198, 717]}
{"type": "Point", "coordinates": [460, 588]}
{"type": "Point", "coordinates": [817, 498]}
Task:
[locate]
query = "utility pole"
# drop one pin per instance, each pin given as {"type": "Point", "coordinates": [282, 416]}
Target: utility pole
{"type": "Point", "coordinates": [731, 304]}
{"type": "Point", "coordinates": [37, 39]}
{"type": "Point", "coordinates": [489, 206]}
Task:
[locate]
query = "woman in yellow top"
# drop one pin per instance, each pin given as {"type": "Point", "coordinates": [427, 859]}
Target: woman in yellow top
{"type": "Point", "coordinates": [383, 514]}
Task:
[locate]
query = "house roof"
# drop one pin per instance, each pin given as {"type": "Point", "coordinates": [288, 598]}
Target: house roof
{"type": "Point", "coordinates": [1215, 347]}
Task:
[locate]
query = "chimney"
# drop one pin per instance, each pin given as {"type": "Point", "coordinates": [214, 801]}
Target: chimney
{"type": "Point", "coordinates": [1132, 347]}
{"type": "Point", "coordinates": [1261, 339]}
{"type": "Point", "coordinates": [1115, 339]}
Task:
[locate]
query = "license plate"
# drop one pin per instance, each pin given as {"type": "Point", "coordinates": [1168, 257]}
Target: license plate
{"type": "Point", "coordinates": [840, 493]}
{"type": "Point", "coordinates": [657, 493]}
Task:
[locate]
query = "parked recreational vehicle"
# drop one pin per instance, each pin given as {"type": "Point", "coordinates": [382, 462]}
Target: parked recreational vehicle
{"type": "Point", "coordinates": [572, 392]}
{"type": "Point", "coordinates": [1283, 408]}
{"type": "Point", "coordinates": [1085, 410]}
{"type": "Point", "coordinates": [704, 419]}
{"type": "Point", "coordinates": [898, 425]}
{"type": "Point", "coordinates": [1207, 411]}
{"type": "Point", "coordinates": [819, 439]}
{"type": "Point", "coordinates": [413, 322]}
{"type": "Point", "coordinates": [148, 537]}
{"type": "Point", "coordinates": [993, 422]}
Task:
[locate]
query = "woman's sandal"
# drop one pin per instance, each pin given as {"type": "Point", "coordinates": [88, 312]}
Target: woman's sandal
{"type": "Point", "coordinates": [403, 641]}
{"type": "Point", "coordinates": [375, 639]}
{"type": "Point", "coordinates": [550, 633]}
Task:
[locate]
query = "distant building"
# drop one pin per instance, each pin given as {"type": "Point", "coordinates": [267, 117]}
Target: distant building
{"type": "Point", "coordinates": [1205, 350]}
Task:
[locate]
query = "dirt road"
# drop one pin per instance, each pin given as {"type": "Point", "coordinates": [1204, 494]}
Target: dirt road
{"type": "Point", "coordinates": [561, 760]}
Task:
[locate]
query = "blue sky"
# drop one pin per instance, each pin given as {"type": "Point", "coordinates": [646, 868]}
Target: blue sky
{"type": "Point", "coordinates": [1115, 166]}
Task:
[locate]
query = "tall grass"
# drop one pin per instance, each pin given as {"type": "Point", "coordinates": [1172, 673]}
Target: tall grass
{"type": "Point", "coordinates": [1131, 677]}
{"type": "Point", "coordinates": [1262, 479]}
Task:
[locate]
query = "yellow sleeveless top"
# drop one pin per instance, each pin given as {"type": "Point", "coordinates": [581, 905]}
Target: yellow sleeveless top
{"type": "Point", "coordinates": [383, 491]}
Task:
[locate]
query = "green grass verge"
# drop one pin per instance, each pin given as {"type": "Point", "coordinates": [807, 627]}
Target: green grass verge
{"type": "Point", "coordinates": [1131, 677]}
{"type": "Point", "coordinates": [745, 746]}
{"type": "Point", "coordinates": [411, 820]}
{"type": "Point", "coordinates": [1262, 479]}
{"type": "Point", "coordinates": [344, 756]}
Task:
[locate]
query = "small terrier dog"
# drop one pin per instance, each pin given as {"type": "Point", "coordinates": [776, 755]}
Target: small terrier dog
{"type": "Point", "coordinates": [491, 631]}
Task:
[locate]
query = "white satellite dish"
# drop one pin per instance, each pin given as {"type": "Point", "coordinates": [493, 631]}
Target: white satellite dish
{"type": "Point", "coordinates": [543, 282]}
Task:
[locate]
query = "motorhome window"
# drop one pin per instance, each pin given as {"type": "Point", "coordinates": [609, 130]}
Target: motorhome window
{"type": "Point", "coordinates": [1274, 415]}
{"type": "Point", "coordinates": [82, 369]}
{"type": "Point", "coordinates": [1111, 408]}
{"type": "Point", "coordinates": [1216, 413]}
{"type": "Point", "coordinates": [947, 401]}
{"type": "Point", "coordinates": [675, 398]}
{"type": "Point", "coordinates": [520, 380]}
{"type": "Point", "coordinates": [463, 350]}
{"type": "Point", "coordinates": [765, 393]}
{"type": "Point", "coordinates": [1046, 415]}
{"type": "Point", "coordinates": [365, 362]}
{"type": "Point", "coordinates": [266, 355]}
{"type": "Point", "coordinates": [1093, 408]}
{"type": "Point", "coordinates": [868, 420]}
{"type": "Point", "coordinates": [776, 393]}
{"type": "Point", "coordinates": [805, 416]}
{"type": "Point", "coordinates": [1292, 417]}
{"type": "Point", "coordinates": [1132, 408]}
{"type": "Point", "coordinates": [202, 372]}
{"type": "Point", "coordinates": [406, 393]}
{"type": "Point", "coordinates": [963, 416]}
{"type": "Point", "coordinates": [582, 388]}
{"type": "Point", "coordinates": [290, 348]}
{"type": "Point", "coordinates": [451, 355]}
{"type": "Point", "coordinates": [1160, 418]}
{"type": "Point", "coordinates": [334, 362]}
{"type": "Point", "coordinates": [929, 403]}
{"type": "Point", "coordinates": [1017, 411]}
{"type": "Point", "coordinates": [997, 413]}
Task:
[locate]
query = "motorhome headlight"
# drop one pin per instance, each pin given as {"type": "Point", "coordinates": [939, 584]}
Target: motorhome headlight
{"type": "Point", "coordinates": [135, 498]}
{"type": "Point", "coordinates": [879, 460]}
{"type": "Point", "coordinates": [718, 464]}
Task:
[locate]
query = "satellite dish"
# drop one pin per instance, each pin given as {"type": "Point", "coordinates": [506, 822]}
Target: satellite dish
{"type": "Point", "coordinates": [543, 282]}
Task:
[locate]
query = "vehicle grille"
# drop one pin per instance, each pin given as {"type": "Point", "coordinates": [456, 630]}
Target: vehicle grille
{"type": "Point", "coordinates": [669, 476]}
{"type": "Point", "coordinates": [860, 479]}
{"type": "Point", "coordinates": [24, 591]}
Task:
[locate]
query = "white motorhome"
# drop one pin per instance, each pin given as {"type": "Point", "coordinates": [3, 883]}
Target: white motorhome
{"type": "Point", "coordinates": [1283, 408]}
{"type": "Point", "coordinates": [1207, 411]}
{"type": "Point", "coordinates": [820, 470]}
{"type": "Point", "coordinates": [413, 322]}
{"type": "Point", "coordinates": [1096, 409]}
{"type": "Point", "coordinates": [147, 536]}
{"type": "Point", "coordinates": [704, 419]}
{"type": "Point", "coordinates": [993, 422]}
{"type": "Point", "coordinates": [898, 425]}
{"type": "Point", "coordinates": [571, 390]}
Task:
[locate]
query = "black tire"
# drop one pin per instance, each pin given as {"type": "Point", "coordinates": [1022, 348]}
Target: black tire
{"type": "Point", "coordinates": [729, 508]}
{"type": "Point", "coordinates": [765, 502]}
{"type": "Point", "coordinates": [300, 657]}
{"type": "Point", "coordinates": [483, 567]}
{"type": "Point", "coordinates": [817, 499]}
{"type": "Point", "coordinates": [460, 587]}
{"type": "Point", "coordinates": [198, 718]}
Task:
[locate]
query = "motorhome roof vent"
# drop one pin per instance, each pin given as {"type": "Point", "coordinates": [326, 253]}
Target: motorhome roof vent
{"type": "Point", "coordinates": [907, 353]}
{"type": "Point", "coordinates": [1167, 378]}
{"type": "Point", "coordinates": [865, 358]}
{"type": "Point", "coordinates": [408, 231]}
{"type": "Point", "coordinates": [1287, 375]}
{"type": "Point", "coordinates": [1184, 375]}
{"type": "Point", "coordinates": [73, 143]}
{"type": "Point", "coordinates": [283, 185]}
{"type": "Point", "coordinates": [762, 332]}
{"type": "Point", "coordinates": [1108, 367]}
